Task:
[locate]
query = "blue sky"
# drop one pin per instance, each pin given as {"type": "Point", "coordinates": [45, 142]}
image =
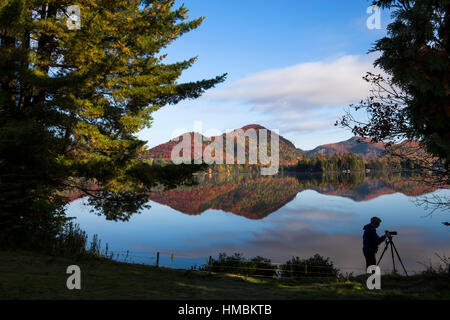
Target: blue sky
{"type": "Point", "coordinates": [292, 65]}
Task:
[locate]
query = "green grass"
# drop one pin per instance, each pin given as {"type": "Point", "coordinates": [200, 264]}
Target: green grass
{"type": "Point", "coordinates": [26, 275]}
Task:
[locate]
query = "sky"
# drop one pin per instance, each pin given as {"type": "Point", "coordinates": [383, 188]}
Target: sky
{"type": "Point", "coordinates": [292, 65]}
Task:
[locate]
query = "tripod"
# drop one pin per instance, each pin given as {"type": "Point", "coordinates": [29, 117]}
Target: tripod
{"type": "Point", "coordinates": [389, 242]}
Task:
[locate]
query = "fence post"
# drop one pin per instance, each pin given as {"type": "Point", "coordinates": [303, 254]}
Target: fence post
{"type": "Point", "coordinates": [209, 264]}
{"type": "Point", "coordinates": [157, 259]}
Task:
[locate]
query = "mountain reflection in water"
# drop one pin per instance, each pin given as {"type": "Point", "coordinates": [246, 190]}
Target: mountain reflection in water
{"type": "Point", "coordinates": [255, 197]}
{"type": "Point", "coordinates": [278, 217]}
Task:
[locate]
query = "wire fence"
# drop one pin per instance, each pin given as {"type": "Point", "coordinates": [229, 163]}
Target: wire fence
{"type": "Point", "coordinates": [238, 266]}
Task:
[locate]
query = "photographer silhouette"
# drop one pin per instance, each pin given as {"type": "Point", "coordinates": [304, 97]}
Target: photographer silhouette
{"type": "Point", "coordinates": [371, 241]}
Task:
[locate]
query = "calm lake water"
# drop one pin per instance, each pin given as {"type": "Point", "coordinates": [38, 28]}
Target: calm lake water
{"type": "Point", "coordinates": [278, 218]}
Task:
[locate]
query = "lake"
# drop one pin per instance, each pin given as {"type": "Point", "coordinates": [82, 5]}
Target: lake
{"type": "Point", "coordinates": [278, 217]}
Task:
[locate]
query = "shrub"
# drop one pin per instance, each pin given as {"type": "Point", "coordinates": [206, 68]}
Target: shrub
{"type": "Point", "coordinates": [316, 267]}
{"type": "Point", "coordinates": [236, 264]}
{"type": "Point", "coordinates": [73, 242]}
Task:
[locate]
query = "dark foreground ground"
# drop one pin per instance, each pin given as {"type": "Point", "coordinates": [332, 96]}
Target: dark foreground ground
{"type": "Point", "coordinates": [25, 275]}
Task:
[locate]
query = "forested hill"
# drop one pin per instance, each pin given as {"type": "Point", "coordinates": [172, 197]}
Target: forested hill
{"type": "Point", "coordinates": [357, 145]}
{"type": "Point", "coordinates": [289, 154]}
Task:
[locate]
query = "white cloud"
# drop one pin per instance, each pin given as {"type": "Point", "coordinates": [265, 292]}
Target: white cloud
{"type": "Point", "coordinates": [306, 126]}
{"type": "Point", "coordinates": [303, 86]}
{"type": "Point", "coordinates": [302, 99]}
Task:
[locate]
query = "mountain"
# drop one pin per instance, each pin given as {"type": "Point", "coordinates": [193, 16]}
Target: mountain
{"type": "Point", "coordinates": [357, 145]}
{"type": "Point", "coordinates": [288, 152]}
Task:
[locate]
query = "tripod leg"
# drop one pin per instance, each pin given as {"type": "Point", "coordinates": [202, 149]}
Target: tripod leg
{"type": "Point", "coordinates": [392, 252]}
{"type": "Point", "coordinates": [398, 256]}
{"type": "Point", "coordinates": [381, 257]}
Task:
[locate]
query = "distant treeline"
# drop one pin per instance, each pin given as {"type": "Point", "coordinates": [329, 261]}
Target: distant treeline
{"type": "Point", "coordinates": [350, 162]}
{"type": "Point", "coordinates": [321, 163]}
{"type": "Point", "coordinates": [216, 168]}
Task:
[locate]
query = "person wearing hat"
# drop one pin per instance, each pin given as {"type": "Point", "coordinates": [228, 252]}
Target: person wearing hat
{"type": "Point", "coordinates": [371, 241]}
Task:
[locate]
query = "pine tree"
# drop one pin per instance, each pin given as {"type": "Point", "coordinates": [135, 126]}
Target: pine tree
{"type": "Point", "coordinates": [73, 100]}
{"type": "Point", "coordinates": [416, 53]}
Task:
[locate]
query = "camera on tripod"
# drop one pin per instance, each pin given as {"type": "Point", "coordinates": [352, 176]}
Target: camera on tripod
{"type": "Point", "coordinates": [390, 233]}
{"type": "Point", "coordinates": [390, 242]}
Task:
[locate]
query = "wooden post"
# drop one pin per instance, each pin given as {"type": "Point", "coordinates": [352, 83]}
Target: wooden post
{"type": "Point", "coordinates": [157, 259]}
{"type": "Point", "coordinates": [210, 264]}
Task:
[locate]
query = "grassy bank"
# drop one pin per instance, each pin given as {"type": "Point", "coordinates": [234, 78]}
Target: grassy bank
{"type": "Point", "coordinates": [26, 275]}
